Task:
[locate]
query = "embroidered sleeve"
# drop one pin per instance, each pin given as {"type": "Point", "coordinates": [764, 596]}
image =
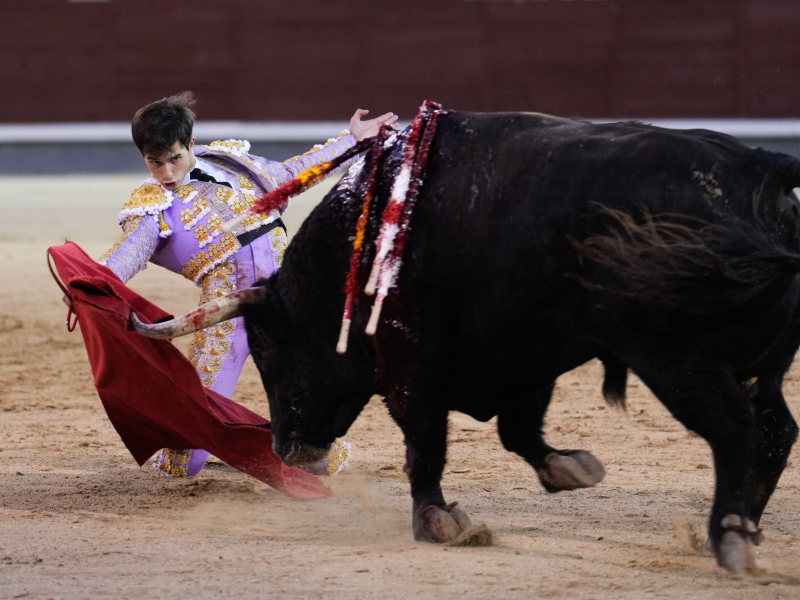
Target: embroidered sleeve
{"type": "Point", "coordinates": [288, 170]}
{"type": "Point", "coordinates": [140, 236]}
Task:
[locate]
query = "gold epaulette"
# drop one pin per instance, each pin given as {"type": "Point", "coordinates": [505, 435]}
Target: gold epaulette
{"type": "Point", "coordinates": [148, 199]}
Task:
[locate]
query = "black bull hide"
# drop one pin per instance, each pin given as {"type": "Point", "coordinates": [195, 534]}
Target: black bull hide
{"type": "Point", "coordinates": [537, 244]}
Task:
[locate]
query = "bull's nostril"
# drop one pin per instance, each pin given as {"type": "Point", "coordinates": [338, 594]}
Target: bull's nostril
{"type": "Point", "coordinates": [302, 455]}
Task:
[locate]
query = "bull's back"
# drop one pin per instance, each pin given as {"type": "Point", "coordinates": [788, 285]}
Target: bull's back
{"type": "Point", "coordinates": [504, 194]}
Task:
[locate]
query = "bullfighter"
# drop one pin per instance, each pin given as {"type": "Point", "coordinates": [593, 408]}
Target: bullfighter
{"type": "Point", "coordinates": [173, 220]}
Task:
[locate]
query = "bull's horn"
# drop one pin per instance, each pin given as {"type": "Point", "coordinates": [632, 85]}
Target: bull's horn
{"type": "Point", "coordinates": [205, 315]}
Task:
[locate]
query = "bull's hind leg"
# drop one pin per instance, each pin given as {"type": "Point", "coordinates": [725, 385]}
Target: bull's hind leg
{"type": "Point", "coordinates": [520, 430]}
{"type": "Point", "coordinates": [712, 404]}
{"type": "Point", "coordinates": [775, 434]}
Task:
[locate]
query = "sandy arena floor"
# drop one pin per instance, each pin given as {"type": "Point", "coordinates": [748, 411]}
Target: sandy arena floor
{"type": "Point", "coordinates": [79, 519]}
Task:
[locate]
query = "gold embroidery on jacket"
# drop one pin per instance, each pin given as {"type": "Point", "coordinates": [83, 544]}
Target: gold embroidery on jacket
{"type": "Point", "coordinates": [223, 193]}
{"type": "Point", "coordinates": [244, 200]}
{"type": "Point", "coordinates": [203, 262]}
{"type": "Point", "coordinates": [190, 216]}
{"type": "Point", "coordinates": [184, 191]}
{"type": "Point", "coordinates": [239, 204]}
{"type": "Point", "coordinates": [146, 195]}
{"type": "Point", "coordinates": [279, 242]}
{"type": "Point", "coordinates": [245, 183]}
{"type": "Point", "coordinates": [206, 233]}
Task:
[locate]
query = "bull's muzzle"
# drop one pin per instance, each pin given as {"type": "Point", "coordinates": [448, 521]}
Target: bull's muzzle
{"type": "Point", "coordinates": [296, 454]}
{"type": "Point", "coordinates": [205, 315]}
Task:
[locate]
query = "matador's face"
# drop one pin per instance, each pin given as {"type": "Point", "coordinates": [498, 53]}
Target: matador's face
{"type": "Point", "coordinates": [172, 166]}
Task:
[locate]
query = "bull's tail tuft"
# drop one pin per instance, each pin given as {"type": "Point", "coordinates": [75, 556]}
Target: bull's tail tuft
{"type": "Point", "coordinates": [616, 381]}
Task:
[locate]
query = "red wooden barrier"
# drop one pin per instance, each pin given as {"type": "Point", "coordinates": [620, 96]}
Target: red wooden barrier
{"type": "Point", "coordinates": [319, 60]}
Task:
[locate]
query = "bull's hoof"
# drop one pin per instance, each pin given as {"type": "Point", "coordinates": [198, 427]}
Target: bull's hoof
{"type": "Point", "coordinates": [735, 551]}
{"type": "Point", "coordinates": [440, 525]}
{"type": "Point", "coordinates": [570, 470]}
{"type": "Point", "coordinates": [758, 537]}
{"type": "Point", "coordinates": [459, 515]}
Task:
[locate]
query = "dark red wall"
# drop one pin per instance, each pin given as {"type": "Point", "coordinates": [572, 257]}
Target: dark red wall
{"type": "Point", "coordinates": [301, 60]}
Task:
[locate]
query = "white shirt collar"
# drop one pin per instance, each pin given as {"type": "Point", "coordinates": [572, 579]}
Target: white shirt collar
{"type": "Point", "coordinates": [219, 174]}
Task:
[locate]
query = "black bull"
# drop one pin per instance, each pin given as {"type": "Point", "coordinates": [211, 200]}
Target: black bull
{"type": "Point", "coordinates": [537, 244]}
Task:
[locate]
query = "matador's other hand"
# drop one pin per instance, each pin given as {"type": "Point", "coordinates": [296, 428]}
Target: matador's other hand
{"type": "Point", "coordinates": [362, 130]}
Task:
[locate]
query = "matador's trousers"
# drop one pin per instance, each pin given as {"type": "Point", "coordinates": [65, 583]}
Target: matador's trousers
{"type": "Point", "coordinates": [218, 352]}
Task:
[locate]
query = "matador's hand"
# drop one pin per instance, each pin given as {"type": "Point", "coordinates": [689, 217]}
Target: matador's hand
{"type": "Point", "coordinates": [362, 130]}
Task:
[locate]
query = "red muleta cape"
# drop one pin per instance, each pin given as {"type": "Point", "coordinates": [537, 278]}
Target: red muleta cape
{"type": "Point", "coordinates": [151, 392]}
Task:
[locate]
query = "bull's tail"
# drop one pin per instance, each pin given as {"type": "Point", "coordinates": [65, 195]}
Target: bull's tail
{"type": "Point", "coordinates": [615, 382]}
{"type": "Point", "coordinates": [678, 256]}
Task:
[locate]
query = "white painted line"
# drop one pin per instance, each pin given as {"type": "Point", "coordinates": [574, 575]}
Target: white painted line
{"type": "Point", "coordinates": [48, 133]}
{"type": "Point", "coordinates": [319, 131]}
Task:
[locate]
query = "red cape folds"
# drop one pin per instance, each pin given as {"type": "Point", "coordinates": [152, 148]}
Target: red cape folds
{"type": "Point", "coordinates": [151, 392]}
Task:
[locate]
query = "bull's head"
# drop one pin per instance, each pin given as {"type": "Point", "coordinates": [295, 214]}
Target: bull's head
{"type": "Point", "coordinates": [314, 393]}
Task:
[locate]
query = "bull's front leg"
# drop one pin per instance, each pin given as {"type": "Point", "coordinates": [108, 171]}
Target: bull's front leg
{"type": "Point", "coordinates": [520, 430]}
{"type": "Point", "coordinates": [426, 447]}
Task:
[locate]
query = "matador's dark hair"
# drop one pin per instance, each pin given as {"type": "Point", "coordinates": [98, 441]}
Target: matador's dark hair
{"type": "Point", "coordinates": [157, 126]}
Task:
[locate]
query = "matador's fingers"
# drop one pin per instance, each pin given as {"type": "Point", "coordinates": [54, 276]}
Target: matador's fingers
{"type": "Point", "coordinates": [387, 118]}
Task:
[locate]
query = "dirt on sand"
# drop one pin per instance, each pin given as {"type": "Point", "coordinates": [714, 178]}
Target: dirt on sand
{"type": "Point", "coordinates": [79, 519]}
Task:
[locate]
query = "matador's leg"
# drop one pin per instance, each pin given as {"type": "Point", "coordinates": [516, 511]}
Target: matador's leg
{"type": "Point", "coordinates": [218, 354]}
